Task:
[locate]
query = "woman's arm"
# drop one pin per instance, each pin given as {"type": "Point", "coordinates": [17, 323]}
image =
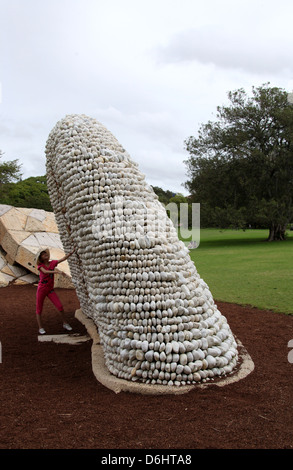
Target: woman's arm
{"type": "Point", "coordinates": [66, 256]}
{"type": "Point", "coordinates": [49, 271]}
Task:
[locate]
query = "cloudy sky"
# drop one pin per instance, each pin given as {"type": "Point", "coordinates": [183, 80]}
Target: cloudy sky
{"type": "Point", "coordinates": [150, 71]}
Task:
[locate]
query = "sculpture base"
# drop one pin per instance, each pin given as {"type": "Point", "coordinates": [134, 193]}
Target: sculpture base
{"type": "Point", "coordinates": [117, 385]}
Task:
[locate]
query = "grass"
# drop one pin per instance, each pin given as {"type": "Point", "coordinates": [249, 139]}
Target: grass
{"type": "Point", "coordinates": [241, 267]}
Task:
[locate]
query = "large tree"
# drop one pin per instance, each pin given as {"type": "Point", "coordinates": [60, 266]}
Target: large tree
{"type": "Point", "coordinates": [242, 163]}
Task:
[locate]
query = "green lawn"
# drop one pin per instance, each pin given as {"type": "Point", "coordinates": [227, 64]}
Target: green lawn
{"type": "Point", "coordinates": [241, 267]}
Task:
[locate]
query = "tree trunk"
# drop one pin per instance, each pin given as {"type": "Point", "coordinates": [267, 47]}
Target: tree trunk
{"type": "Point", "coordinates": [277, 232]}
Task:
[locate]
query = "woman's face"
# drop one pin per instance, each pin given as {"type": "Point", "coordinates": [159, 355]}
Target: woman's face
{"type": "Point", "coordinates": [44, 256]}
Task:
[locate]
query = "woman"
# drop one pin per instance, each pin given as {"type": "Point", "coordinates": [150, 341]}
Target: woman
{"type": "Point", "coordinates": [45, 289]}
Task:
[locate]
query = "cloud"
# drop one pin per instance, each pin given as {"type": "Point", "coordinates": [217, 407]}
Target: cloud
{"type": "Point", "coordinates": [150, 72]}
{"type": "Point", "coordinates": [24, 140]}
{"type": "Point", "coordinates": [158, 125]}
{"type": "Point", "coordinates": [256, 52]}
{"type": "Point", "coordinates": [154, 140]}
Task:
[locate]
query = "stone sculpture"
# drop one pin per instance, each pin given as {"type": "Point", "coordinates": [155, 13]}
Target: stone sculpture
{"type": "Point", "coordinates": [157, 320]}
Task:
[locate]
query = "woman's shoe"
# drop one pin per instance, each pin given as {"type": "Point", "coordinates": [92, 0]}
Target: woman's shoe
{"type": "Point", "coordinates": [67, 327]}
{"type": "Point", "coordinates": [42, 331]}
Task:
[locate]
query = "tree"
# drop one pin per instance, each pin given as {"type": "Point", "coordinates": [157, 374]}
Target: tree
{"type": "Point", "coordinates": [9, 171]}
{"type": "Point", "coordinates": [178, 200]}
{"type": "Point", "coordinates": [243, 162]}
{"type": "Point", "coordinates": [31, 192]}
{"type": "Point", "coordinates": [164, 196]}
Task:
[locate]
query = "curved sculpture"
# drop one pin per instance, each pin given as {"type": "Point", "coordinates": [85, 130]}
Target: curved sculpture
{"type": "Point", "coordinates": [156, 317]}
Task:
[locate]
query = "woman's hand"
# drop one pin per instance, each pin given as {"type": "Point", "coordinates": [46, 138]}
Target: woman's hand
{"type": "Point", "coordinates": [57, 271]}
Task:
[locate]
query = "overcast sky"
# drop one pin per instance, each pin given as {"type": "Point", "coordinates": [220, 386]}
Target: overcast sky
{"type": "Point", "coordinates": [150, 71]}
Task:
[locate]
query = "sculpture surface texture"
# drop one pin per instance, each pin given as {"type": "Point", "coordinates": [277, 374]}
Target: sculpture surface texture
{"type": "Point", "coordinates": [156, 317]}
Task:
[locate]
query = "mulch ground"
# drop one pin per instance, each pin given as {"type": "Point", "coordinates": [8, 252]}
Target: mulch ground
{"type": "Point", "coordinates": [50, 399]}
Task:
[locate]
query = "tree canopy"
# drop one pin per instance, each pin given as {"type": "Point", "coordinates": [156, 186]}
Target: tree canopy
{"type": "Point", "coordinates": [163, 195]}
{"type": "Point", "coordinates": [9, 171]}
{"type": "Point", "coordinates": [31, 192]}
{"type": "Point", "coordinates": [241, 166]}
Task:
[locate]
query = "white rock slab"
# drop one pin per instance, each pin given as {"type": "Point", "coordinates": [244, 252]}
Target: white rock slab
{"type": "Point", "coordinates": [31, 241]}
{"type": "Point", "coordinates": [2, 261]}
{"type": "Point", "coordinates": [39, 214]}
{"type": "Point", "coordinates": [5, 279]}
{"type": "Point", "coordinates": [44, 239]}
{"type": "Point", "coordinates": [29, 278]}
{"type": "Point", "coordinates": [64, 339]}
{"type": "Point", "coordinates": [23, 231]}
{"type": "Point", "coordinates": [4, 208]}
